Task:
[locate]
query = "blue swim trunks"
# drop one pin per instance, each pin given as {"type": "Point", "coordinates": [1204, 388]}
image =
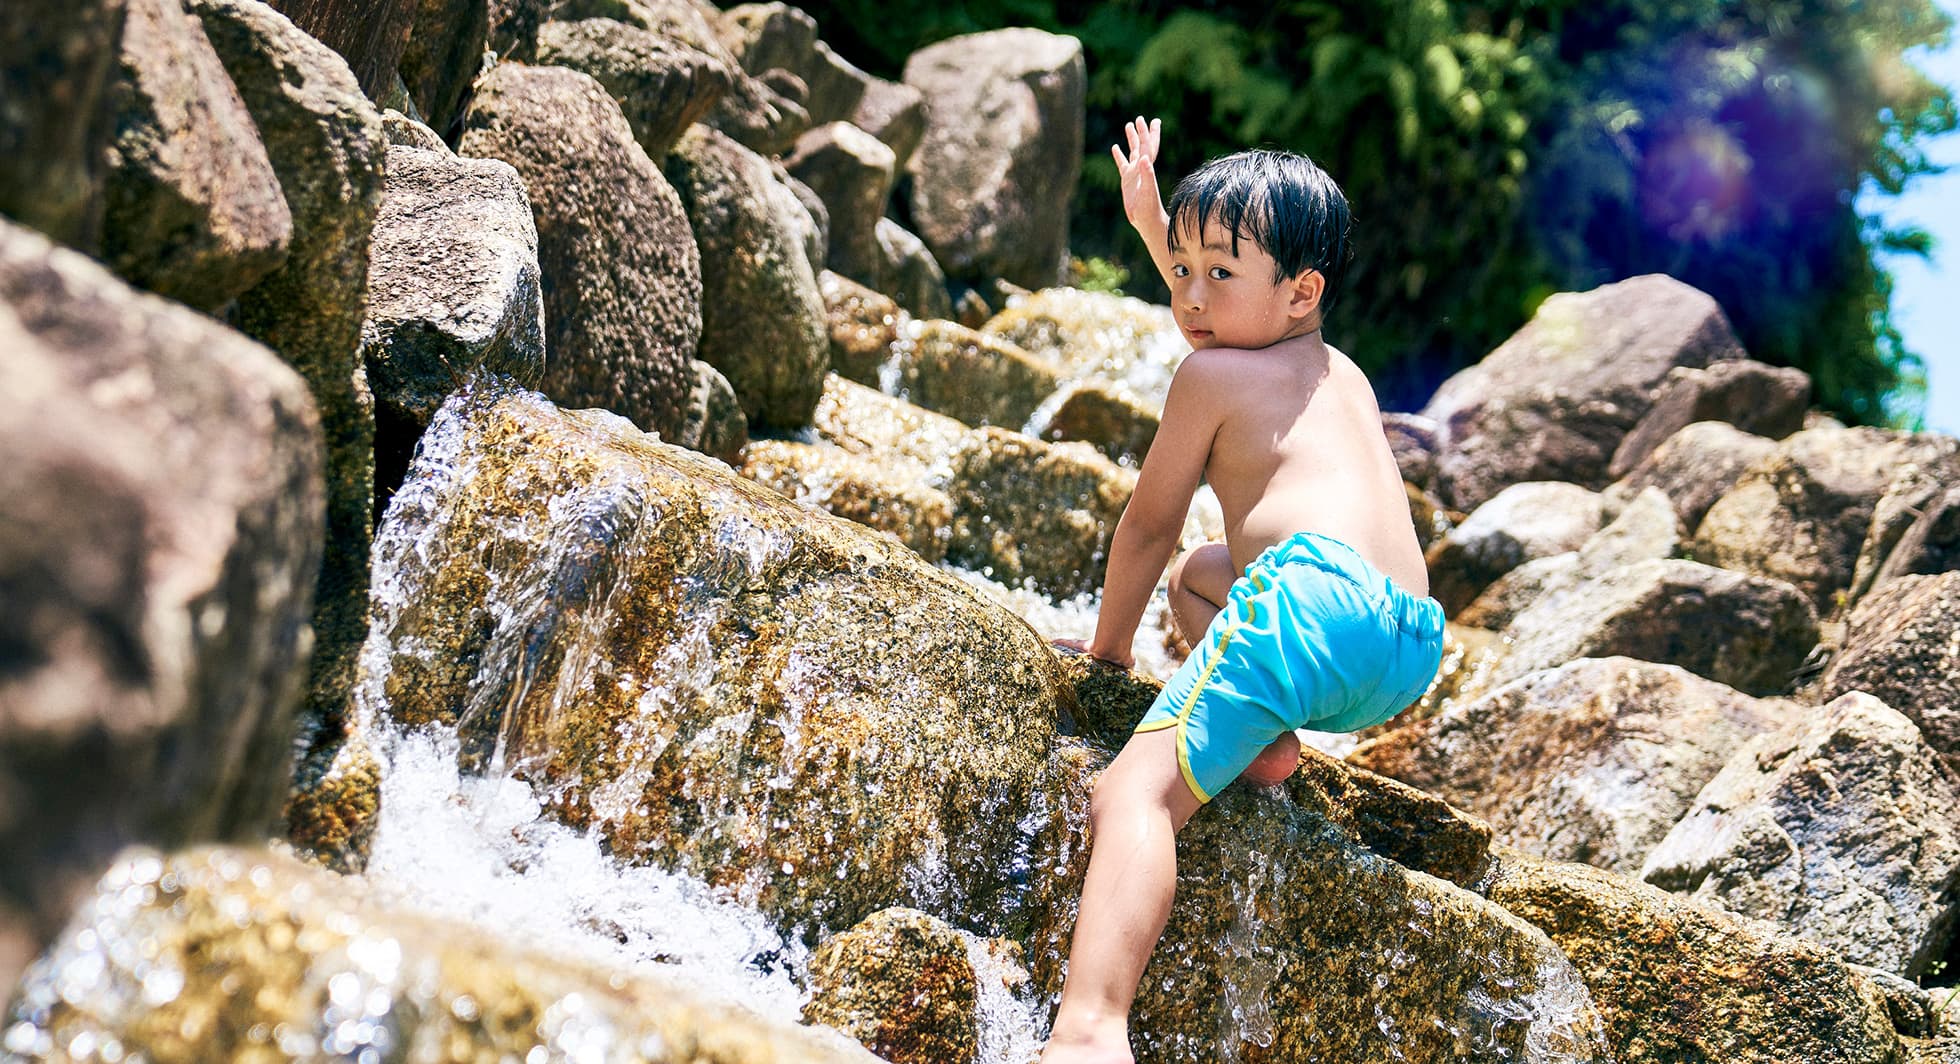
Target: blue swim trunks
{"type": "Point", "coordinates": [1312, 636]}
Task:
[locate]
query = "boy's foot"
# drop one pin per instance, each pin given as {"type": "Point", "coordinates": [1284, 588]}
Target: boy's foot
{"type": "Point", "coordinates": [1276, 762]}
{"type": "Point", "coordinates": [1061, 1051]}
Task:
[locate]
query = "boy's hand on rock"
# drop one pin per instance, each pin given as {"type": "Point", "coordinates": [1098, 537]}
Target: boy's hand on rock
{"type": "Point", "coordinates": [1078, 646]}
{"type": "Point", "coordinates": [1142, 203]}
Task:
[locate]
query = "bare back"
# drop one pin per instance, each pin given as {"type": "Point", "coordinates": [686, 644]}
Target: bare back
{"type": "Point", "coordinates": [1301, 449]}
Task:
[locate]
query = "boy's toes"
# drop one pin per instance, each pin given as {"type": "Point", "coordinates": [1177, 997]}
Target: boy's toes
{"type": "Point", "coordinates": [1276, 762]}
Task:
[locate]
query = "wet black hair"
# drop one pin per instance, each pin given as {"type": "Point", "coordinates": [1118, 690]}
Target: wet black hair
{"type": "Point", "coordinates": [1278, 200]}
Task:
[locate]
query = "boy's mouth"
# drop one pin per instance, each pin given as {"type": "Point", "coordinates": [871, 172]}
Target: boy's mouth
{"type": "Point", "coordinates": [1197, 334]}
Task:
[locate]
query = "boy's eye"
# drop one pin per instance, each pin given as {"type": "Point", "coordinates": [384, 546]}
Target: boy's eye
{"type": "Point", "coordinates": [1219, 273]}
{"type": "Point", "coordinates": [1180, 270]}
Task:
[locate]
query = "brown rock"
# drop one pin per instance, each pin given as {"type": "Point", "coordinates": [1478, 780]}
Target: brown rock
{"type": "Point", "coordinates": [762, 316]}
{"type": "Point", "coordinates": [1694, 467]}
{"type": "Point", "coordinates": [852, 172]}
{"type": "Point", "coordinates": [1645, 529]}
{"type": "Point", "coordinates": [1036, 513]}
{"type": "Point", "coordinates": [325, 141]}
{"type": "Point", "coordinates": [1413, 439]}
{"type": "Point", "coordinates": [901, 984]}
{"type": "Point", "coordinates": [662, 85]}
{"type": "Point", "coordinates": [1677, 982]}
{"type": "Point", "coordinates": [894, 113]}
{"type": "Point", "coordinates": [1554, 401]}
{"type": "Point", "coordinates": [972, 376]}
{"type": "Point", "coordinates": [993, 178]}
{"type": "Point", "coordinates": [622, 275]}
{"type": "Point", "coordinates": [1760, 399]}
{"type": "Point", "coordinates": [157, 554]}
{"type": "Point", "coordinates": [910, 274]}
{"type": "Point", "coordinates": [863, 327]}
{"type": "Point", "coordinates": [859, 489]}
{"type": "Point", "coordinates": [444, 54]}
{"type": "Point", "coordinates": [193, 207]}
{"type": "Point", "coordinates": [1592, 761]}
{"type": "Point", "coordinates": [1103, 417]}
{"type": "Point", "coordinates": [715, 423]}
{"type": "Point", "coordinates": [1097, 335]}
{"type": "Point", "coordinates": [57, 62]}
{"type": "Point", "coordinates": [865, 421]}
{"type": "Point", "coordinates": [1931, 544]}
{"type": "Point", "coordinates": [776, 36]}
{"type": "Point", "coordinates": [368, 34]}
{"type": "Point", "coordinates": [1926, 467]}
{"type": "Point", "coordinates": [1899, 645]}
{"type": "Point", "coordinates": [251, 941]}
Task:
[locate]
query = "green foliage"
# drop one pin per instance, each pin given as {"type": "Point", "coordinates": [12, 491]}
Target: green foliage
{"type": "Point", "coordinates": [1098, 275]}
{"type": "Point", "coordinates": [1497, 152]}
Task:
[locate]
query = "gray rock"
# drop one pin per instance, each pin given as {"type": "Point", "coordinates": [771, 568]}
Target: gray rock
{"type": "Point", "coordinates": [895, 113]}
{"type": "Point", "coordinates": [1749, 632]}
{"type": "Point", "coordinates": [816, 235]}
{"type": "Point", "coordinates": [910, 273]}
{"type": "Point", "coordinates": [1413, 439]}
{"type": "Point", "coordinates": [405, 132]}
{"type": "Point", "coordinates": [157, 555]}
{"type": "Point", "coordinates": [1554, 401]}
{"type": "Point", "coordinates": [662, 85]}
{"type": "Point", "coordinates": [1694, 467]}
{"type": "Point", "coordinates": [622, 276]}
{"type": "Point", "coordinates": [1803, 512]}
{"type": "Point", "coordinates": [762, 315]}
{"type": "Point", "coordinates": [452, 283]}
{"type": "Point", "coordinates": [992, 180]}
{"type": "Point", "coordinates": [57, 59]}
{"type": "Point", "coordinates": [715, 423]}
{"type": "Point", "coordinates": [777, 36]}
{"type": "Point", "coordinates": [1645, 529]}
{"type": "Point", "coordinates": [1931, 544]}
{"type": "Point", "coordinates": [444, 54]}
{"type": "Point", "coordinates": [1520, 523]}
{"type": "Point", "coordinates": [1925, 466]}
{"type": "Point", "coordinates": [1757, 398]}
{"type": "Point", "coordinates": [851, 172]}
{"type": "Point", "coordinates": [1899, 645]}
{"type": "Point", "coordinates": [1837, 826]}
{"type": "Point", "coordinates": [369, 35]}
{"type": "Point", "coordinates": [193, 208]}
{"type": "Point", "coordinates": [1592, 761]}
{"type": "Point", "coordinates": [325, 142]}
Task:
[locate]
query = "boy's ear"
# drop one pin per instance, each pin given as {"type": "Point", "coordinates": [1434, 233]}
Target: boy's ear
{"type": "Point", "coordinates": [1308, 287]}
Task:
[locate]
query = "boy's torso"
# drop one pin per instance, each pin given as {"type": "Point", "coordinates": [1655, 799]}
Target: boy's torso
{"type": "Point", "coordinates": [1301, 449]}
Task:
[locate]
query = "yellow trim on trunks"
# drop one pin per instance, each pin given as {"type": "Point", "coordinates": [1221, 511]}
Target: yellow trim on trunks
{"type": "Point", "coordinates": [1191, 703]}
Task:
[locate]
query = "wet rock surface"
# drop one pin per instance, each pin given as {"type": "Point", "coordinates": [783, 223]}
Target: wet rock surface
{"type": "Point", "coordinates": [900, 983]}
{"type": "Point", "coordinates": [1555, 400]}
{"type": "Point", "coordinates": [241, 954]}
{"type": "Point", "coordinates": [622, 274]}
{"type": "Point", "coordinates": [1593, 761]}
{"type": "Point", "coordinates": [1678, 982]}
{"type": "Point", "coordinates": [161, 537]}
{"type": "Point", "coordinates": [862, 324]}
{"type": "Point", "coordinates": [856, 489]}
{"type": "Point", "coordinates": [1835, 826]}
{"type": "Point", "coordinates": [968, 375]}
{"type": "Point", "coordinates": [1025, 511]}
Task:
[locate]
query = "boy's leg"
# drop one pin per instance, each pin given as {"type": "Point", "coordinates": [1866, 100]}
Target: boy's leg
{"type": "Point", "coordinates": [1201, 581]}
{"type": "Point", "coordinates": [1140, 804]}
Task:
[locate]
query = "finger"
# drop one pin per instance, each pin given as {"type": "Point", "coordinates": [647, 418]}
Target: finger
{"type": "Point", "coordinates": [1130, 132]}
{"type": "Point", "coordinates": [1117, 151]}
{"type": "Point", "coordinates": [1156, 135]}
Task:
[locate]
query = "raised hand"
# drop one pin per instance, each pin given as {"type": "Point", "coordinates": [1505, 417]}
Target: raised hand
{"type": "Point", "coordinates": [1143, 205]}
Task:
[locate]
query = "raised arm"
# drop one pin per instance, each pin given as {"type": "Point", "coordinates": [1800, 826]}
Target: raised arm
{"type": "Point", "coordinates": [1151, 524]}
{"type": "Point", "coordinates": [1142, 203]}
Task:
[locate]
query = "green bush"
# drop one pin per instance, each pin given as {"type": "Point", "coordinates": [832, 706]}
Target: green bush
{"type": "Point", "coordinates": [1495, 153]}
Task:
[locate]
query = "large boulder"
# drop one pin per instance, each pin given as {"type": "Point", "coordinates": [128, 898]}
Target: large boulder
{"type": "Point", "coordinates": [1554, 401]}
{"type": "Point", "coordinates": [894, 113]}
{"type": "Point", "coordinates": [1036, 513]}
{"type": "Point", "coordinates": [1679, 982]}
{"type": "Point", "coordinates": [776, 36]}
{"type": "Point", "coordinates": [202, 955]}
{"type": "Point", "coordinates": [368, 34]}
{"type": "Point", "coordinates": [1413, 439]}
{"type": "Point", "coordinates": [1926, 468]}
{"type": "Point", "coordinates": [57, 63]}
{"type": "Point", "coordinates": [622, 275]}
{"type": "Point", "coordinates": [1592, 761]}
{"type": "Point", "coordinates": [1931, 544]}
{"type": "Point", "coordinates": [851, 172]}
{"type": "Point", "coordinates": [992, 181]}
{"type": "Point", "coordinates": [1521, 523]}
{"type": "Point", "coordinates": [762, 315]}
{"type": "Point", "coordinates": [326, 143]}
{"type": "Point", "coordinates": [1803, 513]}
{"type": "Point", "coordinates": [1694, 467]}
{"type": "Point", "coordinates": [971, 376]}
{"type": "Point", "coordinates": [1101, 415]}
{"type": "Point", "coordinates": [1899, 646]}
{"type": "Point", "coordinates": [1837, 826]}
{"type": "Point", "coordinates": [193, 208]}
{"type": "Point", "coordinates": [1760, 399]}
{"type": "Point", "coordinates": [157, 554]}
{"type": "Point", "coordinates": [662, 85]}
{"type": "Point", "coordinates": [1748, 632]}
{"type": "Point", "coordinates": [890, 497]}
{"type": "Point", "coordinates": [909, 273]}
{"type": "Point", "coordinates": [453, 287]}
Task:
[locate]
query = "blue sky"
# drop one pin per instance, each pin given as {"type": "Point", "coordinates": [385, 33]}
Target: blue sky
{"type": "Point", "coordinates": [1926, 301]}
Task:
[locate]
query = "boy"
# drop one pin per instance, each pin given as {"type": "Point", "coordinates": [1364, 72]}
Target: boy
{"type": "Point", "coordinates": [1313, 613]}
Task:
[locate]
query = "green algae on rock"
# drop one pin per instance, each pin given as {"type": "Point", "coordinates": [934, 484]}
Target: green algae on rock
{"type": "Point", "coordinates": [706, 673]}
{"type": "Point", "coordinates": [243, 955]}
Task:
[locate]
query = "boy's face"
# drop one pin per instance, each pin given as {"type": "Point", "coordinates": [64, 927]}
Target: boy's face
{"type": "Point", "coordinates": [1227, 299]}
